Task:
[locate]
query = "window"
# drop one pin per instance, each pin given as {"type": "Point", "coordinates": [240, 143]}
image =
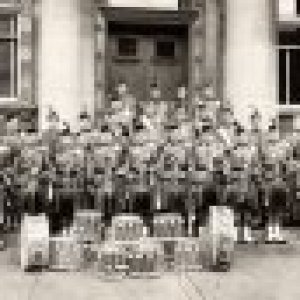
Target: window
{"type": "Point", "coordinates": [298, 7]}
{"type": "Point", "coordinates": [8, 56]}
{"type": "Point", "coordinates": [289, 79]}
{"type": "Point", "coordinates": [190, 4]}
{"type": "Point", "coordinates": [165, 49]}
{"type": "Point", "coordinates": [289, 65]}
{"type": "Point", "coordinates": [127, 47]}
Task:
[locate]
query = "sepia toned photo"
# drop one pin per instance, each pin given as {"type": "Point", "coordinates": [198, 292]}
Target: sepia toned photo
{"type": "Point", "coordinates": [149, 149]}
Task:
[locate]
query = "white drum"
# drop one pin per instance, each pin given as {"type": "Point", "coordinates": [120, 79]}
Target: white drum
{"type": "Point", "coordinates": [222, 233]}
{"type": "Point", "coordinates": [34, 241]}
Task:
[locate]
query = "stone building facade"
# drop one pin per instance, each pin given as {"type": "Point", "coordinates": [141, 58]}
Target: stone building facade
{"type": "Point", "coordinates": [68, 55]}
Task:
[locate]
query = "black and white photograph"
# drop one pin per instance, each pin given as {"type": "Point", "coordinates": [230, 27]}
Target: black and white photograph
{"type": "Point", "coordinates": [149, 149]}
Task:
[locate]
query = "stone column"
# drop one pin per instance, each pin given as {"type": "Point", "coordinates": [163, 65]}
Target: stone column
{"type": "Point", "coordinates": [197, 50]}
{"type": "Point", "coordinates": [66, 58]}
{"type": "Point", "coordinates": [205, 43]}
{"type": "Point", "coordinates": [212, 44]}
{"type": "Point", "coordinates": [100, 38]}
{"type": "Point", "coordinates": [250, 58]}
{"type": "Point", "coordinates": [25, 54]}
{"type": "Point", "coordinates": [87, 55]}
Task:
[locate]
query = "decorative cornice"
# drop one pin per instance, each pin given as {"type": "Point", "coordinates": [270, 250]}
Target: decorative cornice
{"type": "Point", "coordinates": [145, 16]}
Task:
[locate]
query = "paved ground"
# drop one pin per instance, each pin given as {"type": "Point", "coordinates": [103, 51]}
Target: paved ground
{"type": "Point", "coordinates": [259, 272]}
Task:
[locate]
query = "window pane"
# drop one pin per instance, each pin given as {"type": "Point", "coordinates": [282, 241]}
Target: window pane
{"type": "Point", "coordinates": [8, 25]}
{"type": "Point", "coordinates": [290, 38]}
{"type": "Point", "coordinates": [8, 68]}
{"type": "Point", "coordinates": [285, 124]}
{"type": "Point", "coordinates": [127, 47]}
{"type": "Point", "coordinates": [165, 49]}
{"type": "Point", "coordinates": [4, 69]}
{"type": "Point", "coordinates": [294, 76]}
{"type": "Point", "coordinates": [282, 76]}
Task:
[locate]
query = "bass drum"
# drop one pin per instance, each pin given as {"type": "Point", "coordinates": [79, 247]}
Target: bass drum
{"type": "Point", "coordinates": [222, 235]}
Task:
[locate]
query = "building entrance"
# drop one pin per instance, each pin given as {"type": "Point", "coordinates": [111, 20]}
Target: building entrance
{"type": "Point", "coordinates": [152, 60]}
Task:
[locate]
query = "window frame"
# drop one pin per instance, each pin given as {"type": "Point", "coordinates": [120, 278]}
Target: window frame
{"type": "Point", "coordinates": [297, 4]}
{"type": "Point", "coordinates": [288, 48]}
{"type": "Point", "coordinates": [127, 37]}
{"type": "Point", "coordinates": [15, 61]}
{"type": "Point", "coordinates": [169, 57]}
